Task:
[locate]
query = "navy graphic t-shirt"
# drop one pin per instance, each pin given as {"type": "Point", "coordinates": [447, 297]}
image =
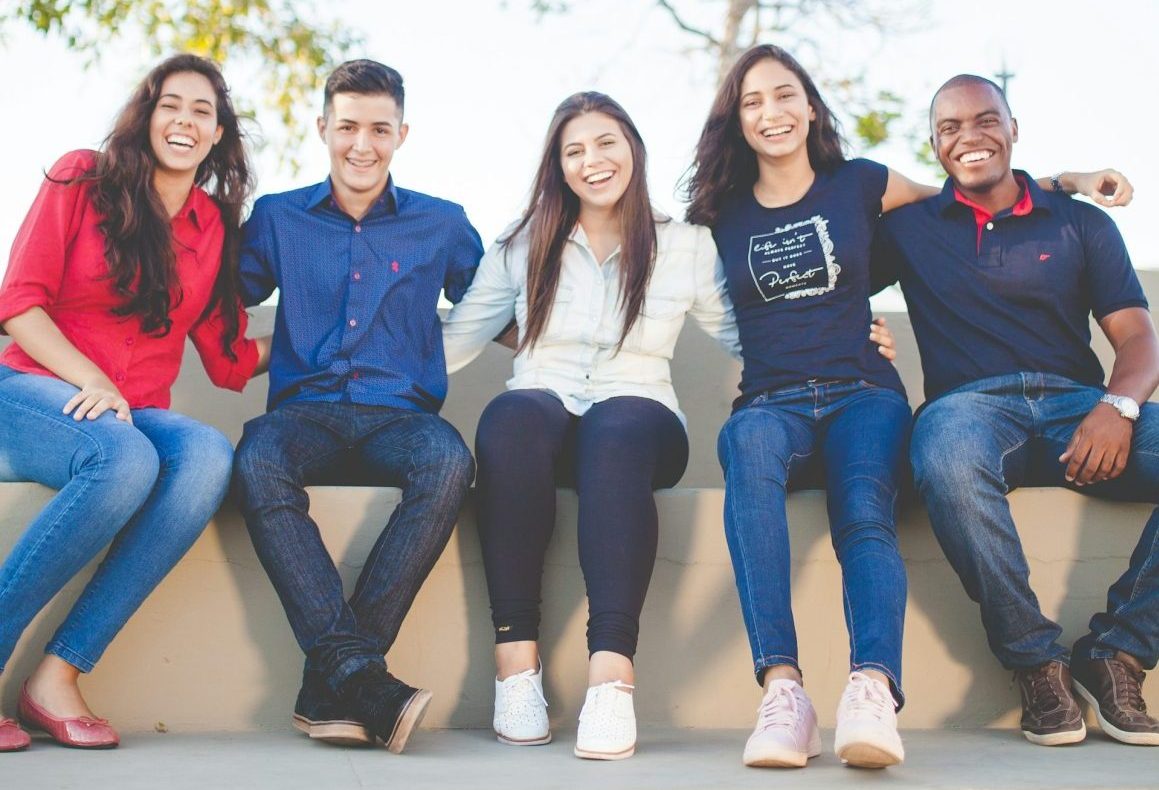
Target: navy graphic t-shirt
{"type": "Point", "coordinates": [799, 280]}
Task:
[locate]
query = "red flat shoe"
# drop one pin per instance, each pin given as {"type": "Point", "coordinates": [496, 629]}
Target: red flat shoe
{"type": "Point", "coordinates": [12, 738]}
{"type": "Point", "coordinates": [83, 732]}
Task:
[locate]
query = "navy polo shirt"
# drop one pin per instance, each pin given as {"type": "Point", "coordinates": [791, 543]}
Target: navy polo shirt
{"type": "Point", "coordinates": [1009, 293]}
{"type": "Point", "coordinates": [799, 280]}
{"type": "Point", "coordinates": [356, 318]}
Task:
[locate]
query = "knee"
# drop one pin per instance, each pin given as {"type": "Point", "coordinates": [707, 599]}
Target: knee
{"type": "Point", "coordinates": [949, 451]}
{"type": "Point", "coordinates": [751, 443]}
{"type": "Point", "coordinates": [124, 456]}
{"type": "Point", "coordinates": [256, 468]}
{"type": "Point", "coordinates": [204, 452]}
{"type": "Point", "coordinates": [513, 416]}
{"type": "Point", "coordinates": [447, 457]}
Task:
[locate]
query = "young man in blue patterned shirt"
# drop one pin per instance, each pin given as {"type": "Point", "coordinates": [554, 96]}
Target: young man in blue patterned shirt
{"type": "Point", "coordinates": [357, 377]}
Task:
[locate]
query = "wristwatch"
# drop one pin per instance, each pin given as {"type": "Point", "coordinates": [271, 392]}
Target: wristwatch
{"type": "Point", "coordinates": [1124, 405]}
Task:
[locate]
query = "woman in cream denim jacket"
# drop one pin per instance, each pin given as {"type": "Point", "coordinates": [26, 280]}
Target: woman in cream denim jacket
{"type": "Point", "coordinates": [590, 405]}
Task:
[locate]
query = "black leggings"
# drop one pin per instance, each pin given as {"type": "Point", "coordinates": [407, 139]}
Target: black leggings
{"type": "Point", "coordinates": [617, 454]}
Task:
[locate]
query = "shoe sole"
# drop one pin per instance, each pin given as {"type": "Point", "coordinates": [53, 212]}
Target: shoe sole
{"type": "Point", "coordinates": [786, 758]}
{"type": "Point", "coordinates": [409, 719]}
{"type": "Point", "coordinates": [866, 755]}
{"type": "Point", "coordinates": [1133, 738]}
{"type": "Point", "coordinates": [584, 754]}
{"type": "Point", "coordinates": [1058, 738]}
{"type": "Point", "coordinates": [336, 732]}
{"type": "Point", "coordinates": [525, 742]}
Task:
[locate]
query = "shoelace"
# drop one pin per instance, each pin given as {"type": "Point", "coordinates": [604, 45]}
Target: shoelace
{"type": "Point", "coordinates": [517, 684]}
{"type": "Point", "coordinates": [864, 696]}
{"type": "Point", "coordinates": [778, 709]}
{"type": "Point", "coordinates": [605, 700]}
{"type": "Point", "coordinates": [1042, 689]}
{"type": "Point", "coordinates": [1130, 686]}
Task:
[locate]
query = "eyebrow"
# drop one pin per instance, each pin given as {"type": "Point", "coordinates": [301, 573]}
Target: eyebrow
{"type": "Point", "coordinates": [179, 96]}
{"type": "Point", "coordinates": [978, 116]}
{"type": "Point", "coordinates": [368, 123]}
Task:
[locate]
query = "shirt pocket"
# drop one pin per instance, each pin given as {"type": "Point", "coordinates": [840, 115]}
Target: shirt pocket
{"type": "Point", "coordinates": [561, 323]}
{"type": "Point", "coordinates": [657, 327]}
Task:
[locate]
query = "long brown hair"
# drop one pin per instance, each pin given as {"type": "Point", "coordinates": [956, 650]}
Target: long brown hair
{"type": "Point", "coordinates": [554, 209]}
{"type": "Point", "coordinates": [136, 226]}
{"type": "Point", "coordinates": [725, 165]}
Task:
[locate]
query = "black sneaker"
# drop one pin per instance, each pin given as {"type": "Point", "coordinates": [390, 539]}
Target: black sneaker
{"type": "Point", "coordinates": [1114, 689]}
{"type": "Point", "coordinates": [1050, 714]}
{"type": "Point", "coordinates": [390, 708]}
{"type": "Point", "coordinates": [321, 715]}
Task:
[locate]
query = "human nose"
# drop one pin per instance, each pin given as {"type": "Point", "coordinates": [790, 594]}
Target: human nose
{"type": "Point", "coordinates": [362, 140]}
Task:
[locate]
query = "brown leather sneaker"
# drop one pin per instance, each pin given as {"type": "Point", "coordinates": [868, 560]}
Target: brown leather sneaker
{"type": "Point", "coordinates": [1114, 689]}
{"type": "Point", "coordinates": [1050, 714]}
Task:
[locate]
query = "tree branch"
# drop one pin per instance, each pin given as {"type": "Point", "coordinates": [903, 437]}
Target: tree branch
{"type": "Point", "coordinates": [687, 28]}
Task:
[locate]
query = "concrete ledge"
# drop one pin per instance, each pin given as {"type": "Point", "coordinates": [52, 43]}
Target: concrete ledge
{"type": "Point", "coordinates": [211, 649]}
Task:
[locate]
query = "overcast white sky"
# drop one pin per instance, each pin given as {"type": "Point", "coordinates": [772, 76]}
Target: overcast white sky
{"type": "Point", "coordinates": [483, 79]}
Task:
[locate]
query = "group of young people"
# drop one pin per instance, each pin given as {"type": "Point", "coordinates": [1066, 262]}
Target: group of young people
{"type": "Point", "coordinates": [129, 250]}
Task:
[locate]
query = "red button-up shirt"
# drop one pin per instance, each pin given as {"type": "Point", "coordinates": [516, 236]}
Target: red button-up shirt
{"type": "Point", "coordinates": [58, 264]}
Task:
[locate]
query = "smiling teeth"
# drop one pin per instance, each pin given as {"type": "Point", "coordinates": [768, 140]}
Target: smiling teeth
{"type": "Point", "coordinates": [777, 131]}
{"type": "Point", "coordinates": [599, 178]}
{"type": "Point", "coordinates": [974, 156]}
{"type": "Point", "coordinates": [181, 139]}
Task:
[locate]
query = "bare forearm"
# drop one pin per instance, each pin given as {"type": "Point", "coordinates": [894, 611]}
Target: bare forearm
{"type": "Point", "coordinates": [37, 334]}
{"type": "Point", "coordinates": [1136, 370]}
{"type": "Point", "coordinates": [263, 344]}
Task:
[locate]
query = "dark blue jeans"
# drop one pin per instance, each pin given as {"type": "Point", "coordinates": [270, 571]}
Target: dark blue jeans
{"type": "Point", "coordinates": [301, 444]}
{"type": "Point", "coordinates": [615, 455]}
{"type": "Point", "coordinates": [850, 437]}
{"type": "Point", "coordinates": [973, 445]}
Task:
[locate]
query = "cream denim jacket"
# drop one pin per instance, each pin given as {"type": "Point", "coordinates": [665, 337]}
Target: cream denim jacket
{"type": "Point", "coordinates": [576, 356]}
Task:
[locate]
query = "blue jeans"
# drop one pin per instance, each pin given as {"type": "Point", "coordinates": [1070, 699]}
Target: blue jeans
{"type": "Point", "coordinates": [310, 443]}
{"type": "Point", "coordinates": [973, 445]}
{"type": "Point", "coordinates": [145, 490]}
{"type": "Point", "coordinates": [851, 437]}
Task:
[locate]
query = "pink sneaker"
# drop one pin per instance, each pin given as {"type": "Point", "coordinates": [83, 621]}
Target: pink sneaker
{"type": "Point", "coordinates": [786, 735]}
{"type": "Point", "coordinates": [867, 725]}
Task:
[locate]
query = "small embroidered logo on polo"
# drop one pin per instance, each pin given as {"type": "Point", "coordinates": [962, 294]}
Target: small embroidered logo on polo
{"type": "Point", "coordinates": [394, 266]}
{"type": "Point", "coordinates": [1045, 256]}
{"type": "Point", "coordinates": [503, 629]}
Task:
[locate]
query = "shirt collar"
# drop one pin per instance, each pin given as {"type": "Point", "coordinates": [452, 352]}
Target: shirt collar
{"type": "Point", "coordinates": [195, 207]}
{"type": "Point", "coordinates": [323, 196]}
{"type": "Point", "coordinates": [1031, 198]}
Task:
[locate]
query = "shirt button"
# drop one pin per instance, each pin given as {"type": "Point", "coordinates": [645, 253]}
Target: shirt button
{"type": "Point", "coordinates": [357, 275]}
{"type": "Point", "coordinates": [128, 341]}
{"type": "Point", "coordinates": [353, 322]}
{"type": "Point", "coordinates": [354, 375]}
{"type": "Point", "coordinates": [120, 377]}
{"type": "Point", "coordinates": [357, 228]}
{"type": "Point", "coordinates": [989, 226]}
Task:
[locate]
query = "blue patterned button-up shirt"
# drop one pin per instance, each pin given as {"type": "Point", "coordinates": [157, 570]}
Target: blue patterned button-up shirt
{"type": "Point", "coordinates": [356, 317]}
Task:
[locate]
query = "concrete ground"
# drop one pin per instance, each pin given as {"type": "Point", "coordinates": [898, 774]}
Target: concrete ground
{"type": "Point", "coordinates": [666, 758]}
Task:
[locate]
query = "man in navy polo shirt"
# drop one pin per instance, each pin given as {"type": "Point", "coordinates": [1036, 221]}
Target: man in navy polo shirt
{"type": "Point", "coordinates": [1000, 278]}
{"type": "Point", "coordinates": [357, 377]}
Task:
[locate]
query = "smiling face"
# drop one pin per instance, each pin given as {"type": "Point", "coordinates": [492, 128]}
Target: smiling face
{"type": "Point", "coordinates": [973, 135]}
{"type": "Point", "coordinates": [596, 158]}
{"type": "Point", "coordinates": [774, 112]}
{"type": "Point", "coordinates": [183, 127]}
{"type": "Point", "coordinates": [362, 132]}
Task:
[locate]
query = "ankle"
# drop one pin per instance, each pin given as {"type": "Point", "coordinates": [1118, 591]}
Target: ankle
{"type": "Point", "coordinates": [511, 658]}
{"type": "Point", "coordinates": [782, 672]}
{"type": "Point", "coordinates": [604, 666]}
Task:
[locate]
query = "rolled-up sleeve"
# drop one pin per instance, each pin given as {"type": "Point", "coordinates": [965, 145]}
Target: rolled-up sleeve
{"type": "Point", "coordinates": [207, 335]}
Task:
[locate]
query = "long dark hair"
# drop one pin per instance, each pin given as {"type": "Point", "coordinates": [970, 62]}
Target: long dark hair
{"type": "Point", "coordinates": [725, 164]}
{"type": "Point", "coordinates": [554, 209]}
{"type": "Point", "coordinates": [136, 226]}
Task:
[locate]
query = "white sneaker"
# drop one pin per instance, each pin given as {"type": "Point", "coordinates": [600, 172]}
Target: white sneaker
{"type": "Point", "coordinates": [607, 723]}
{"type": "Point", "coordinates": [786, 735]}
{"type": "Point", "coordinates": [521, 709]}
{"type": "Point", "coordinates": [867, 725]}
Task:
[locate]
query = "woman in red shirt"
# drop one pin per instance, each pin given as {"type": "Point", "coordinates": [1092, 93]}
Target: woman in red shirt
{"type": "Point", "coordinates": [123, 255]}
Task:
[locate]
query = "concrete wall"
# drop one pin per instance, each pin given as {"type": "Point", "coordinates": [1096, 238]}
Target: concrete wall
{"type": "Point", "coordinates": [211, 650]}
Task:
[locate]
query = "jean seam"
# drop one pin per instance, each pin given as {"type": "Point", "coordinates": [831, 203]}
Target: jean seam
{"type": "Point", "coordinates": [748, 603]}
{"type": "Point", "coordinates": [63, 651]}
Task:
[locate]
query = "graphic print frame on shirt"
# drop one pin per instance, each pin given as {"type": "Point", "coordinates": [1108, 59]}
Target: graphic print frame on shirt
{"type": "Point", "coordinates": [794, 261]}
